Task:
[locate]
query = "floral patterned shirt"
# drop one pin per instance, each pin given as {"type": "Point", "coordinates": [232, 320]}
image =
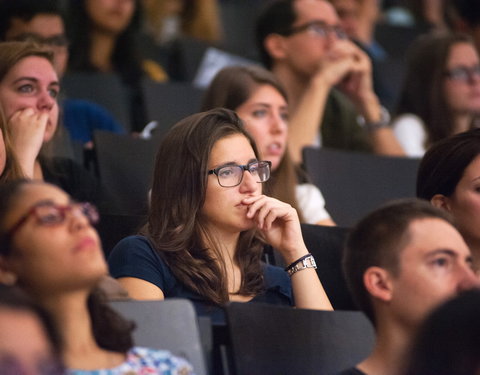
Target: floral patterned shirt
{"type": "Point", "coordinates": [144, 361]}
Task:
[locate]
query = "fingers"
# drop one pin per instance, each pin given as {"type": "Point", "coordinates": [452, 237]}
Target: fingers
{"type": "Point", "coordinates": [28, 117]}
{"type": "Point", "coordinates": [265, 210]}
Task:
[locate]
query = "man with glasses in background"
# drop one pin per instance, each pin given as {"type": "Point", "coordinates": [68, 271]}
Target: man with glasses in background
{"type": "Point", "coordinates": [327, 77]}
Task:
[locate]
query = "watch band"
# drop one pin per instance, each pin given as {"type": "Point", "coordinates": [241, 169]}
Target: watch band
{"type": "Point", "coordinates": [306, 262]}
{"type": "Point", "coordinates": [383, 122]}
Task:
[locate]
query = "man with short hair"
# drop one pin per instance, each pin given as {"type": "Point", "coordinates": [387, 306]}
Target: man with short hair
{"type": "Point", "coordinates": [303, 45]}
{"type": "Point", "coordinates": [41, 21]}
{"type": "Point", "coordinates": [400, 262]}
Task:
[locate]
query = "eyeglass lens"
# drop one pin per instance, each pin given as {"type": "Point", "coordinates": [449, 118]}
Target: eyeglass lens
{"type": "Point", "coordinates": [464, 73]}
{"type": "Point", "coordinates": [49, 214]}
{"type": "Point", "coordinates": [323, 30]}
{"type": "Point", "coordinates": [232, 175]}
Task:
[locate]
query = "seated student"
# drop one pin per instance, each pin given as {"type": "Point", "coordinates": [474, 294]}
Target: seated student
{"type": "Point", "coordinates": [441, 92]}
{"type": "Point", "coordinates": [301, 42]}
{"type": "Point", "coordinates": [208, 222]}
{"type": "Point", "coordinates": [448, 342]}
{"type": "Point", "coordinates": [400, 262]}
{"type": "Point", "coordinates": [449, 177]}
{"type": "Point", "coordinates": [259, 99]}
{"type": "Point", "coordinates": [29, 89]}
{"type": "Point", "coordinates": [29, 341]}
{"type": "Point", "coordinates": [41, 21]}
{"type": "Point", "coordinates": [49, 247]}
{"type": "Point", "coordinates": [103, 37]}
{"type": "Point", "coordinates": [168, 20]}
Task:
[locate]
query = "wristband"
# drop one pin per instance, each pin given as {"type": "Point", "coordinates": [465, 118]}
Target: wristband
{"type": "Point", "coordinates": [384, 121]}
{"type": "Point", "coordinates": [307, 261]}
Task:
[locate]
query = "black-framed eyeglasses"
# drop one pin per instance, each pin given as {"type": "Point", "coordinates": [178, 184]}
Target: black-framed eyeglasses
{"type": "Point", "coordinates": [464, 73]}
{"type": "Point", "coordinates": [50, 214]}
{"type": "Point", "coordinates": [320, 28]}
{"type": "Point", "coordinates": [59, 40]}
{"type": "Point", "coordinates": [232, 175]}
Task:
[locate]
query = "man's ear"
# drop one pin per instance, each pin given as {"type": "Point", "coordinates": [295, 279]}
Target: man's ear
{"type": "Point", "coordinates": [7, 277]}
{"type": "Point", "coordinates": [440, 201]}
{"type": "Point", "coordinates": [378, 283]}
{"type": "Point", "coordinates": [275, 46]}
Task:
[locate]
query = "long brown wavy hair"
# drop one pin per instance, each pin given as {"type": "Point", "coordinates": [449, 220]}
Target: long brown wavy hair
{"type": "Point", "coordinates": [175, 225]}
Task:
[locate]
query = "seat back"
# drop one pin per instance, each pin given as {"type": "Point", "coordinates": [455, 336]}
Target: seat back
{"type": "Point", "coordinates": [104, 89]}
{"type": "Point", "coordinates": [326, 245]}
{"type": "Point", "coordinates": [114, 227]}
{"type": "Point", "coordinates": [170, 102]}
{"type": "Point", "coordinates": [170, 325]}
{"type": "Point", "coordinates": [268, 339]}
{"type": "Point", "coordinates": [125, 166]}
{"type": "Point", "coordinates": [354, 184]}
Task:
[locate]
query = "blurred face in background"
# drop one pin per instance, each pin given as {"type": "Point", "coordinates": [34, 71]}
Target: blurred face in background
{"type": "Point", "coordinates": [24, 347]}
{"type": "Point", "coordinates": [45, 29]}
{"type": "Point", "coordinates": [32, 83]}
{"type": "Point", "coordinates": [462, 84]}
{"type": "Point", "coordinates": [265, 115]}
{"type": "Point", "coordinates": [110, 16]}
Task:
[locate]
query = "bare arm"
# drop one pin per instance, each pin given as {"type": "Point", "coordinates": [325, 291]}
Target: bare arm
{"type": "Point", "coordinates": [358, 86]}
{"type": "Point", "coordinates": [141, 289]}
{"type": "Point", "coordinates": [27, 130]}
{"type": "Point", "coordinates": [279, 223]}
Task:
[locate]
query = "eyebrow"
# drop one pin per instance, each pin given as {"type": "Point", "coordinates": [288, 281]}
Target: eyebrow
{"type": "Point", "coordinates": [35, 80]}
{"type": "Point", "coordinates": [232, 163]}
{"type": "Point", "coordinates": [449, 252]}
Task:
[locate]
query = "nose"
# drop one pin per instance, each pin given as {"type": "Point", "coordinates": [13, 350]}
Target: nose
{"type": "Point", "coordinates": [248, 184]}
{"type": "Point", "coordinates": [468, 280]}
{"type": "Point", "coordinates": [45, 101]}
{"type": "Point", "coordinates": [78, 220]}
{"type": "Point", "coordinates": [278, 124]}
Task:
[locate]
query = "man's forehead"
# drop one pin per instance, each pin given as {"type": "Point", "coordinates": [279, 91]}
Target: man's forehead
{"type": "Point", "coordinates": [43, 24]}
{"type": "Point", "coordinates": [428, 235]}
{"type": "Point", "coordinates": [315, 10]}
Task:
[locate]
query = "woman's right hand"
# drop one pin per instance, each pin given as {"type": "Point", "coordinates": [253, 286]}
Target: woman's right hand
{"type": "Point", "coordinates": [26, 128]}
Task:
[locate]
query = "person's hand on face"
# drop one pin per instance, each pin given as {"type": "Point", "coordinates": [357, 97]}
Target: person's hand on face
{"type": "Point", "coordinates": [279, 223]}
{"type": "Point", "coordinates": [357, 83]}
{"type": "Point", "coordinates": [27, 129]}
{"type": "Point", "coordinates": [348, 67]}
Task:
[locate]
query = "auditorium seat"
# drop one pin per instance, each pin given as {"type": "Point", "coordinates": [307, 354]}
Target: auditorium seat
{"type": "Point", "coordinates": [279, 340]}
{"type": "Point", "coordinates": [354, 183]}
{"type": "Point", "coordinates": [169, 324]}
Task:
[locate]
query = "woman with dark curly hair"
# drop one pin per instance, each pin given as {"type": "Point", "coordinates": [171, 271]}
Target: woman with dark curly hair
{"type": "Point", "coordinates": [49, 248]}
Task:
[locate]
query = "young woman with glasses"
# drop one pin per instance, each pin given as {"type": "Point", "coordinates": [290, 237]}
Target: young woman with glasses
{"type": "Point", "coordinates": [259, 99]}
{"type": "Point", "coordinates": [49, 248]}
{"type": "Point", "coordinates": [208, 223]}
{"type": "Point", "coordinates": [441, 92]}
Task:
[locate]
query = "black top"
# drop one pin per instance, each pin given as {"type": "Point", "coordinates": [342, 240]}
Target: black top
{"type": "Point", "coordinates": [134, 256]}
{"type": "Point", "coordinates": [352, 371]}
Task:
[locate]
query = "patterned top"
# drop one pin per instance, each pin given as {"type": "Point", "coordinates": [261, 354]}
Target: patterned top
{"type": "Point", "coordinates": [144, 361]}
